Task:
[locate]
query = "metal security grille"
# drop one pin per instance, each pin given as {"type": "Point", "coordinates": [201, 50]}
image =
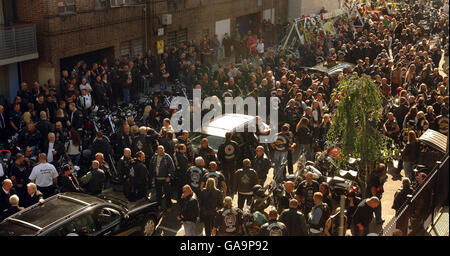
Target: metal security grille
{"type": "Point", "coordinates": [182, 36]}
{"type": "Point", "coordinates": [16, 42]}
{"type": "Point", "coordinates": [125, 49]}
{"type": "Point", "coordinates": [138, 47]}
{"type": "Point", "coordinates": [175, 38]}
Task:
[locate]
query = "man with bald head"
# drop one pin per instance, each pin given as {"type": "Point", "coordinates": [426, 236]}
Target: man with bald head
{"type": "Point", "coordinates": [305, 192]}
{"type": "Point", "coordinates": [363, 216]}
{"type": "Point", "coordinates": [94, 180]}
{"type": "Point", "coordinates": [163, 170]}
{"type": "Point", "coordinates": [6, 191]}
{"type": "Point", "coordinates": [45, 176]}
{"type": "Point", "coordinates": [294, 220]}
{"type": "Point", "coordinates": [244, 180]}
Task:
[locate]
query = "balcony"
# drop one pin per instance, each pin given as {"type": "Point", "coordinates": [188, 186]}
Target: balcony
{"type": "Point", "coordinates": [18, 43]}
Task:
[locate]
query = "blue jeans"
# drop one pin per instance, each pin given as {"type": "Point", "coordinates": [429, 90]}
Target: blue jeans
{"type": "Point", "coordinates": [279, 158]}
{"type": "Point", "coordinates": [190, 228]}
{"type": "Point", "coordinates": [163, 85]}
{"type": "Point", "coordinates": [75, 159]}
{"type": "Point", "coordinates": [126, 95]}
{"type": "Point", "coordinates": [306, 149]}
{"type": "Point", "coordinates": [409, 170]}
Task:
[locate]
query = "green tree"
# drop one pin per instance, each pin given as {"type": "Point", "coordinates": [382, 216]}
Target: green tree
{"type": "Point", "coordinates": [355, 123]}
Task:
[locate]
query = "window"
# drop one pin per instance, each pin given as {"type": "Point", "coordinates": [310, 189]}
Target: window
{"type": "Point", "coordinates": [138, 47]}
{"type": "Point", "coordinates": [125, 49]}
{"type": "Point", "coordinates": [81, 226]}
{"type": "Point", "coordinates": [66, 7]}
{"type": "Point", "coordinates": [107, 217]}
{"type": "Point", "coordinates": [116, 3]}
{"type": "Point", "coordinates": [100, 5]}
{"type": "Point", "coordinates": [175, 38]}
{"type": "Point", "coordinates": [119, 3]}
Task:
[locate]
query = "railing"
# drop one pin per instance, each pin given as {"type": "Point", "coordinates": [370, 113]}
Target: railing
{"type": "Point", "coordinates": [431, 196]}
{"type": "Point", "coordinates": [18, 41]}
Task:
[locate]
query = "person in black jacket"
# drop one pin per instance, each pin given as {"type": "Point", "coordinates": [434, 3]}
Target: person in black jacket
{"type": "Point", "coordinates": [294, 220]}
{"type": "Point", "coordinates": [58, 148]}
{"type": "Point", "coordinates": [140, 176]}
{"type": "Point", "coordinates": [211, 201]}
{"type": "Point", "coordinates": [273, 227]}
{"type": "Point", "coordinates": [124, 168]}
{"type": "Point", "coordinates": [228, 154]}
{"type": "Point", "coordinates": [363, 216]}
{"type": "Point", "coordinates": [65, 182]}
{"type": "Point", "coordinates": [400, 198]}
{"type": "Point", "coordinates": [44, 126]}
{"type": "Point", "coordinates": [6, 191]}
{"type": "Point", "coordinates": [163, 171]}
{"type": "Point", "coordinates": [189, 211]}
{"type": "Point", "coordinates": [206, 152]}
{"type": "Point", "coordinates": [75, 117]}
{"type": "Point", "coordinates": [244, 180]}
{"type": "Point", "coordinates": [19, 174]}
{"type": "Point", "coordinates": [101, 145]}
{"type": "Point", "coordinates": [14, 208]}
{"type": "Point", "coordinates": [262, 165]}
{"type": "Point", "coordinates": [181, 166]}
{"type": "Point", "coordinates": [33, 196]}
{"type": "Point", "coordinates": [94, 180]}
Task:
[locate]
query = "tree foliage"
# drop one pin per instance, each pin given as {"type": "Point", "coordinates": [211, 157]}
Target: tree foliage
{"type": "Point", "coordinates": [356, 121]}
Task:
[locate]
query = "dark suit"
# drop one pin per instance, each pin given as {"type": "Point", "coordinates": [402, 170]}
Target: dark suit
{"type": "Point", "coordinates": [76, 120]}
{"type": "Point", "coordinates": [3, 127]}
{"type": "Point", "coordinates": [28, 200]}
{"type": "Point", "coordinates": [10, 211]}
{"type": "Point", "coordinates": [4, 199]}
{"type": "Point", "coordinates": [58, 147]}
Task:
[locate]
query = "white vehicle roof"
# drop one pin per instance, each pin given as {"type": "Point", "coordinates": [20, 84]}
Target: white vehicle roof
{"type": "Point", "coordinates": [227, 123]}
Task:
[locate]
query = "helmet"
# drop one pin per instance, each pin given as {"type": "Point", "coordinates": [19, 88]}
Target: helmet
{"type": "Point", "coordinates": [258, 190]}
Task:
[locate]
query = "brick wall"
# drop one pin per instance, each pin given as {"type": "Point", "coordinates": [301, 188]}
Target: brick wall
{"type": "Point", "coordinates": [90, 30]}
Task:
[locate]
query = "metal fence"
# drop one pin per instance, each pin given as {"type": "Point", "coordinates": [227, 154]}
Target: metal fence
{"type": "Point", "coordinates": [419, 211]}
{"type": "Point", "coordinates": [17, 41]}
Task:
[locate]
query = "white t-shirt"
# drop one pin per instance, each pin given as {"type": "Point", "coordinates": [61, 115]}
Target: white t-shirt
{"type": "Point", "coordinates": [1, 170]}
{"type": "Point", "coordinates": [43, 174]}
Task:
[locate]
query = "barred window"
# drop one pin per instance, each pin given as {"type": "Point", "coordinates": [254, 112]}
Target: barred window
{"type": "Point", "coordinates": [66, 7]}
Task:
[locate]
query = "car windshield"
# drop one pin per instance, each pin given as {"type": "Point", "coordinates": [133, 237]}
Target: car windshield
{"type": "Point", "coordinates": [213, 141]}
{"type": "Point", "coordinates": [52, 210]}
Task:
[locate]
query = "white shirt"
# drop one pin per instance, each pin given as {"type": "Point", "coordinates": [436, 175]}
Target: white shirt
{"type": "Point", "coordinates": [86, 101]}
{"type": "Point", "coordinates": [43, 174]}
{"type": "Point", "coordinates": [260, 48]}
{"type": "Point", "coordinates": [86, 86]}
{"type": "Point", "coordinates": [50, 152]}
{"type": "Point", "coordinates": [1, 170]}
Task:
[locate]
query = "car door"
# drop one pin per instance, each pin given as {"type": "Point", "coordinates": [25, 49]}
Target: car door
{"type": "Point", "coordinates": [108, 220]}
{"type": "Point", "coordinates": [82, 225]}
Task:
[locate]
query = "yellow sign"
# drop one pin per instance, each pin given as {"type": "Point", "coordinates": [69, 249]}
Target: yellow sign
{"type": "Point", "coordinates": [160, 46]}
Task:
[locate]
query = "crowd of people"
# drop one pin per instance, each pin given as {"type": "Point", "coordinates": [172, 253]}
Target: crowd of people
{"type": "Point", "coordinates": [46, 120]}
